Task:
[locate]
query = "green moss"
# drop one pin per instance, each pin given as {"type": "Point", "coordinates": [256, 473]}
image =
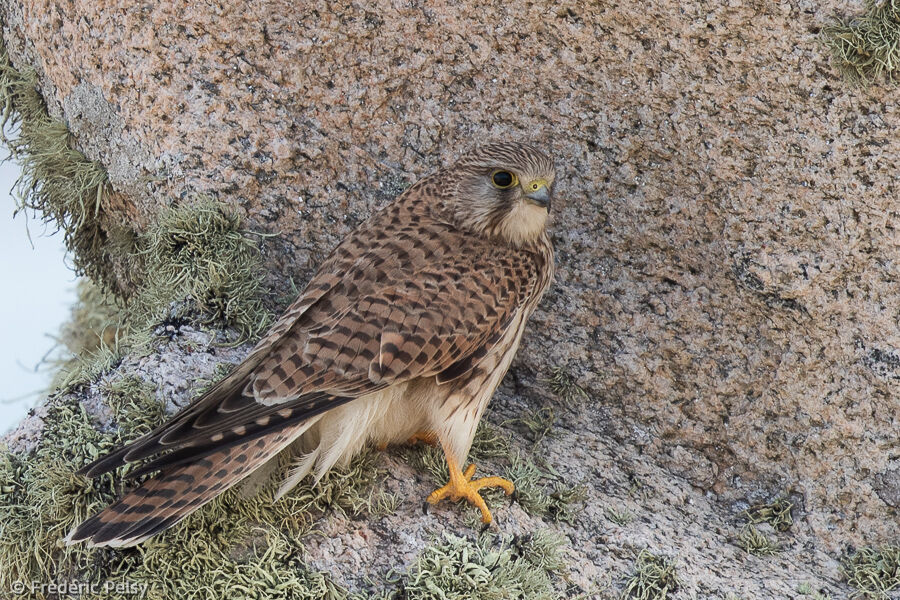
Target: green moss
{"type": "Point", "coordinates": [199, 251]}
{"type": "Point", "coordinates": [351, 490]}
{"type": "Point", "coordinates": [654, 578]}
{"type": "Point", "coordinates": [57, 180]}
{"type": "Point", "coordinates": [620, 517]}
{"type": "Point", "coordinates": [97, 319]}
{"type": "Point", "coordinates": [776, 513]}
{"type": "Point", "coordinates": [539, 423]}
{"type": "Point", "coordinates": [539, 498]}
{"type": "Point", "coordinates": [564, 386]}
{"type": "Point", "coordinates": [235, 543]}
{"type": "Point", "coordinates": [200, 567]}
{"type": "Point", "coordinates": [806, 590]}
{"type": "Point", "coordinates": [195, 250]}
{"type": "Point", "coordinates": [42, 498]}
{"type": "Point", "coordinates": [873, 572]}
{"type": "Point", "coordinates": [866, 47]}
{"type": "Point", "coordinates": [489, 442]}
{"type": "Point", "coordinates": [489, 568]}
{"type": "Point", "coordinates": [755, 542]}
{"type": "Point", "coordinates": [134, 407]}
{"type": "Point", "coordinates": [95, 338]}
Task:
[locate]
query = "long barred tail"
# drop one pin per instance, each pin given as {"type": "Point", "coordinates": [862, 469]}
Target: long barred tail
{"type": "Point", "coordinates": [178, 491]}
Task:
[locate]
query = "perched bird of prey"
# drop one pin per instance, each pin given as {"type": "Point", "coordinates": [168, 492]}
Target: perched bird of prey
{"type": "Point", "coordinates": [406, 330]}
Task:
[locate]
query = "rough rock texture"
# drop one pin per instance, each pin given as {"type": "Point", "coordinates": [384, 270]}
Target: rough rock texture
{"type": "Point", "coordinates": [727, 289]}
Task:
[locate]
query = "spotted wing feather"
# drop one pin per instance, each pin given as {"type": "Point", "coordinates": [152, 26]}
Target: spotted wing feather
{"type": "Point", "coordinates": [177, 492]}
{"type": "Point", "coordinates": [395, 301]}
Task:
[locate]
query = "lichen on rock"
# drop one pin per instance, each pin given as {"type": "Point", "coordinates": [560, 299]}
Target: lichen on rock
{"type": "Point", "coordinates": [866, 47]}
{"type": "Point", "coordinates": [199, 251]}
{"type": "Point", "coordinates": [725, 227]}
{"type": "Point", "coordinates": [57, 181]}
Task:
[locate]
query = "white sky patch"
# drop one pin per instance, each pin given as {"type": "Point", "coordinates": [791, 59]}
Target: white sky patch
{"type": "Point", "coordinates": [38, 290]}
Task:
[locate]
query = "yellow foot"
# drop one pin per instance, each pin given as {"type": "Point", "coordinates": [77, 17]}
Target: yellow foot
{"type": "Point", "coordinates": [462, 487]}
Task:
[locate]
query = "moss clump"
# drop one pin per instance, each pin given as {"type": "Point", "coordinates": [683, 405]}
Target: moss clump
{"type": "Point", "coordinates": [95, 338]}
{"type": "Point", "coordinates": [873, 572]}
{"type": "Point", "coordinates": [234, 543]}
{"type": "Point", "coordinates": [489, 568]}
{"type": "Point", "coordinates": [806, 590]}
{"type": "Point", "coordinates": [97, 320]}
{"type": "Point", "coordinates": [539, 423]}
{"type": "Point", "coordinates": [619, 516]}
{"type": "Point", "coordinates": [134, 407]}
{"type": "Point", "coordinates": [866, 47]}
{"type": "Point", "coordinates": [755, 542]}
{"type": "Point", "coordinates": [57, 180]}
{"type": "Point", "coordinates": [654, 578]}
{"type": "Point", "coordinates": [776, 513]}
{"type": "Point", "coordinates": [198, 250]}
{"type": "Point", "coordinates": [564, 386]}
{"type": "Point", "coordinates": [203, 566]}
{"type": "Point", "coordinates": [350, 490]}
{"type": "Point", "coordinates": [194, 250]}
{"type": "Point", "coordinates": [537, 498]}
{"type": "Point", "coordinates": [197, 261]}
{"type": "Point", "coordinates": [41, 498]}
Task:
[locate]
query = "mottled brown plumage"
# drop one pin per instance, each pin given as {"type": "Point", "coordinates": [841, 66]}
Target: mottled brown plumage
{"type": "Point", "coordinates": [407, 327]}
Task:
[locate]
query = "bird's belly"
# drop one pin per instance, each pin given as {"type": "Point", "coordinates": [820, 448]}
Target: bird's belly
{"type": "Point", "coordinates": [387, 416]}
{"type": "Point", "coordinates": [404, 413]}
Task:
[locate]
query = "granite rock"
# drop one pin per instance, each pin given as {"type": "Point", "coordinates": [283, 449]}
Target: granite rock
{"type": "Point", "coordinates": [727, 251]}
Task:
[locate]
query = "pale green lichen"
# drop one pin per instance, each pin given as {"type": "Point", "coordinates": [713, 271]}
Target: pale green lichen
{"type": "Point", "coordinates": [234, 543]}
{"type": "Point", "coordinates": [776, 513]}
{"type": "Point", "coordinates": [200, 265]}
{"type": "Point", "coordinates": [564, 386]}
{"type": "Point", "coordinates": [806, 590]}
{"type": "Point", "coordinates": [774, 516]}
{"type": "Point", "coordinates": [874, 572]}
{"type": "Point", "coordinates": [42, 497]}
{"type": "Point", "coordinates": [95, 338]}
{"type": "Point", "coordinates": [654, 578]}
{"type": "Point", "coordinates": [57, 181]}
{"type": "Point", "coordinates": [619, 516]}
{"type": "Point", "coordinates": [489, 568]}
{"type": "Point", "coordinates": [755, 542]}
{"type": "Point", "coordinates": [134, 407]}
{"type": "Point", "coordinates": [539, 423]}
{"type": "Point", "coordinates": [198, 250]}
{"type": "Point", "coordinates": [867, 47]}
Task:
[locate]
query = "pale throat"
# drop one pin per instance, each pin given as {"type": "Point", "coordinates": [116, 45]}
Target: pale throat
{"type": "Point", "coordinates": [523, 224]}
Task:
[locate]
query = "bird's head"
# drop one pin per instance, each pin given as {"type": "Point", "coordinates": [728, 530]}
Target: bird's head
{"type": "Point", "coordinates": [502, 190]}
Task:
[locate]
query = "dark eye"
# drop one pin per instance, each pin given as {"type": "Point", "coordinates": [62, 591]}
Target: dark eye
{"type": "Point", "coordinates": [503, 179]}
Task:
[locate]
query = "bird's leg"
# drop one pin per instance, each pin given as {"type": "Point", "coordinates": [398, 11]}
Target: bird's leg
{"type": "Point", "coordinates": [426, 437]}
{"type": "Point", "coordinates": [461, 486]}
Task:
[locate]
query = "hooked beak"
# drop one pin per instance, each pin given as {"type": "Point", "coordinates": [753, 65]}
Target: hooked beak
{"type": "Point", "coordinates": [538, 192]}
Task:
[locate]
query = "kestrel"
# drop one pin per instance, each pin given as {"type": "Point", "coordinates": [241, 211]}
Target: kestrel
{"type": "Point", "coordinates": [406, 330]}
